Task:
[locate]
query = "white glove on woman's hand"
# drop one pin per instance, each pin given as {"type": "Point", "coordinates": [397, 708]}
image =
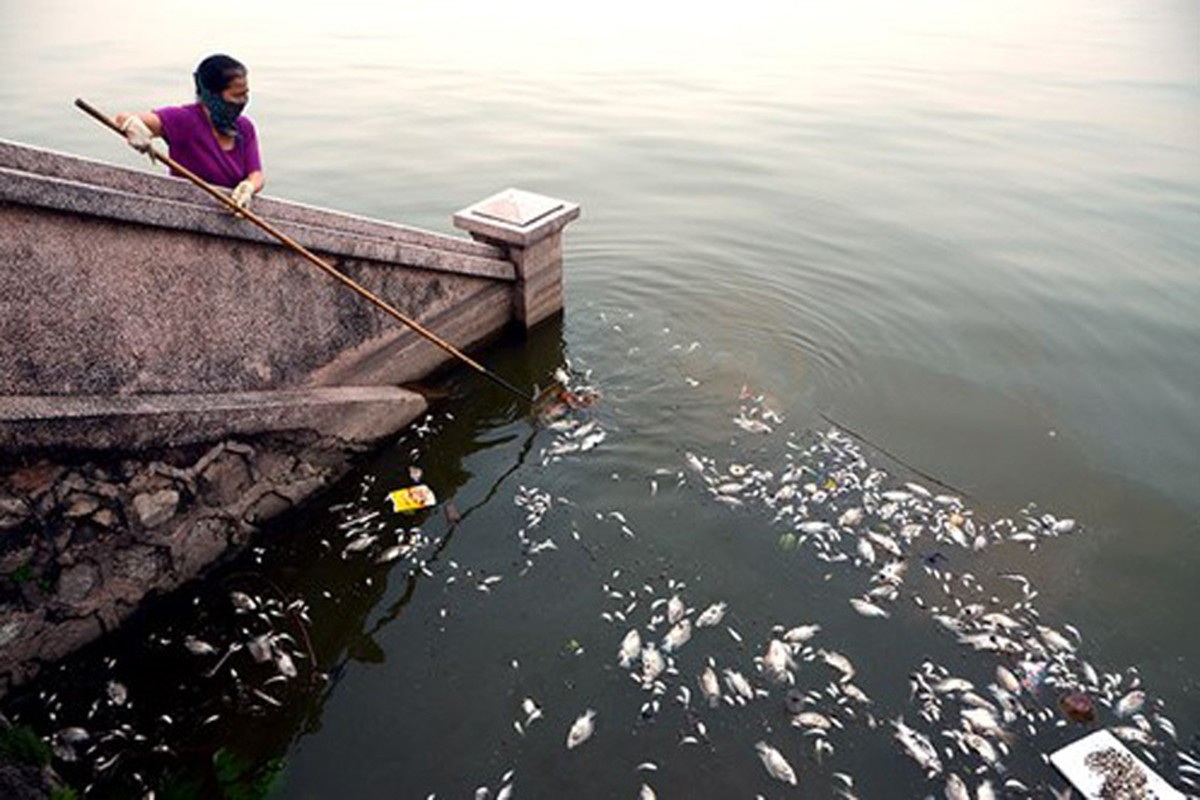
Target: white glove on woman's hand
{"type": "Point", "coordinates": [137, 134]}
{"type": "Point", "coordinates": [242, 193]}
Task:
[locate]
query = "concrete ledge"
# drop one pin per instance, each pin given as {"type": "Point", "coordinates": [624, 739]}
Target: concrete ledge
{"type": "Point", "coordinates": [50, 164]}
{"type": "Point", "coordinates": [400, 355]}
{"type": "Point", "coordinates": [195, 216]}
{"type": "Point", "coordinates": [354, 414]}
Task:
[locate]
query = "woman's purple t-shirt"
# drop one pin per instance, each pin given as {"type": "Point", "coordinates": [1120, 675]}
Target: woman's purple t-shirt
{"type": "Point", "coordinates": [194, 145]}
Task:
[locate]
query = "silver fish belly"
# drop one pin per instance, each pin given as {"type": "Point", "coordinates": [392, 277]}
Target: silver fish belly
{"type": "Point", "coordinates": [710, 686]}
{"type": "Point", "coordinates": [675, 609]}
{"type": "Point", "coordinates": [678, 636]}
{"type": "Point", "coordinates": [918, 747]}
{"type": "Point", "coordinates": [631, 648]}
{"type": "Point", "coordinates": [955, 788]}
{"type": "Point", "coordinates": [581, 729]}
{"type": "Point", "coordinates": [867, 608]}
{"type": "Point", "coordinates": [840, 663]}
{"type": "Point", "coordinates": [801, 634]}
{"type": "Point", "coordinates": [1131, 703]}
{"type": "Point", "coordinates": [776, 765]}
{"type": "Point", "coordinates": [652, 664]}
{"type": "Point", "coordinates": [711, 616]}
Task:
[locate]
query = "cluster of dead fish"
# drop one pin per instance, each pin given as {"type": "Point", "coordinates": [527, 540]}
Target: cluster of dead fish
{"type": "Point", "coordinates": [571, 433]}
{"type": "Point", "coordinates": [260, 656]}
{"type": "Point", "coordinates": [573, 437]}
{"type": "Point", "coordinates": [376, 535]}
{"type": "Point", "coordinates": [656, 652]}
{"type": "Point", "coordinates": [831, 501]}
{"type": "Point", "coordinates": [536, 505]}
{"type": "Point", "coordinates": [100, 735]}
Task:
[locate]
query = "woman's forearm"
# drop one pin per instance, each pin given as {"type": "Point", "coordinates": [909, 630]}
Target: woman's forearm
{"type": "Point", "coordinates": [149, 117]}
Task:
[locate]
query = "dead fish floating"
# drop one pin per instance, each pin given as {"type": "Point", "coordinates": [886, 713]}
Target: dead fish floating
{"type": "Point", "coordinates": [242, 601]}
{"type": "Point", "coordinates": [285, 665]}
{"type": "Point", "coordinates": [776, 765]}
{"type": "Point", "coordinates": [801, 633]}
{"type": "Point", "coordinates": [260, 648]}
{"type": "Point", "coordinates": [710, 686]}
{"type": "Point", "coordinates": [956, 789]}
{"type": "Point", "coordinates": [918, 747]}
{"type": "Point", "coordinates": [868, 609]}
{"type": "Point", "coordinates": [850, 518]}
{"type": "Point", "coordinates": [1131, 703]}
{"type": "Point", "coordinates": [812, 720]}
{"type": "Point", "coordinates": [1055, 640]}
{"type": "Point", "coordinates": [118, 695]}
{"type": "Point", "coordinates": [531, 710]}
{"type": "Point", "coordinates": [778, 662]}
{"type": "Point", "coordinates": [675, 609]}
{"type": "Point", "coordinates": [198, 647]}
{"type": "Point", "coordinates": [838, 662]}
{"type": "Point", "coordinates": [678, 636]}
{"type": "Point", "coordinates": [752, 425]}
{"type": "Point", "coordinates": [581, 730]}
{"type": "Point", "coordinates": [711, 616]}
{"type": "Point", "coordinates": [73, 735]}
{"type": "Point", "coordinates": [631, 648]}
{"type": "Point", "coordinates": [653, 664]}
{"type": "Point", "coordinates": [739, 686]}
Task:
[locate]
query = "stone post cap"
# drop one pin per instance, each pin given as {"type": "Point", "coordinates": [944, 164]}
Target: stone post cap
{"type": "Point", "coordinates": [516, 217]}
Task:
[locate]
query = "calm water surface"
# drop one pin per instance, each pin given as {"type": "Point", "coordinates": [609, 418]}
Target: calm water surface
{"type": "Point", "coordinates": [969, 234]}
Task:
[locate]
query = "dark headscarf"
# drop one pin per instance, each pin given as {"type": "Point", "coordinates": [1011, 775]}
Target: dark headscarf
{"type": "Point", "coordinates": [212, 77]}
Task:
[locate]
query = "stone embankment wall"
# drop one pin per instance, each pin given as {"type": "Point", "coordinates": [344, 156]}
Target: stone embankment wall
{"type": "Point", "coordinates": [81, 543]}
{"type": "Point", "coordinates": [123, 282]}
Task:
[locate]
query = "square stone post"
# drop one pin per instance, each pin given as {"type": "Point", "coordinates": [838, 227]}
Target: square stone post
{"type": "Point", "coordinates": [528, 227]}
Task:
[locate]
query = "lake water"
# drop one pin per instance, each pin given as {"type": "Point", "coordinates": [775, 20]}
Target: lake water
{"type": "Point", "coordinates": [968, 234]}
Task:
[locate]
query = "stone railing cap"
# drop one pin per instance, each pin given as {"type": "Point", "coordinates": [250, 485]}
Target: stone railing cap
{"type": "Point", "coordinates": [515, 216]}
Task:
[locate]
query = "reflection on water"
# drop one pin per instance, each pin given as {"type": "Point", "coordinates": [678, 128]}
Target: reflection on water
{"type": "Point", "coordinates": [969, 233]}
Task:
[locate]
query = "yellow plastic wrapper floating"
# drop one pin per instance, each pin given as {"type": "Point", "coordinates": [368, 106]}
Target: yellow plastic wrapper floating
{"type": "Point", "coordinates": [412, 498]}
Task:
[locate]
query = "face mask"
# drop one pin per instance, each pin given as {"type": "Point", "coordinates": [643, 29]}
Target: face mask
{"type": "Point", "coordinates": [224, 113]}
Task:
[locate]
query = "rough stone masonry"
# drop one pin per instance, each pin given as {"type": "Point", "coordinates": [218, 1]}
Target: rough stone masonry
{"type": "Point", "coordinates": [82, 542]}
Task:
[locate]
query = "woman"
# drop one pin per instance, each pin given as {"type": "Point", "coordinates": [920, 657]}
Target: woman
{"type": "Point", "coordinates": [209, 137]}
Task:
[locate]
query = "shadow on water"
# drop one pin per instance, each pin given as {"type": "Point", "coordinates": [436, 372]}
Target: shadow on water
{"type": "Point", "coordinates": [220, 723]}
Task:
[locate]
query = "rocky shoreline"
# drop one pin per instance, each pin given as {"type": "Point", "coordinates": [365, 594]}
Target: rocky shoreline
{"type": "Point", "coordinates": [84, 539]}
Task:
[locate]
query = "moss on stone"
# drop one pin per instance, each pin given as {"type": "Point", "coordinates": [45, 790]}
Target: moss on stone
{"type": "Point", "coordinates": [19, 744]}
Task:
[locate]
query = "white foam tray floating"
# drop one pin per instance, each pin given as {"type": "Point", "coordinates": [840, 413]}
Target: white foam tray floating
{"type": "Point", "coordinates": [1071, 762]}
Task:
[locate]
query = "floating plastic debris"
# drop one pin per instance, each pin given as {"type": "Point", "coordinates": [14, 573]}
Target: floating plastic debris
{"type": "Point", "coordinates": [412, 498]}
{"type": "Point", "coordinates": [1100, 766]}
